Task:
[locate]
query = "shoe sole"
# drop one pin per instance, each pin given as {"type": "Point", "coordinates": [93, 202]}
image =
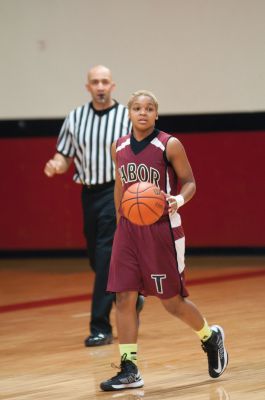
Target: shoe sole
{"type": "Point", "coordinates": [113, 388]}
{"type": "Point", "coordinates": [219, 328]}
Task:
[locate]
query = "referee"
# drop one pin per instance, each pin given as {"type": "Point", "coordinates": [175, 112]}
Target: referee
{"type": "Point", "coordinates": [85, 138]}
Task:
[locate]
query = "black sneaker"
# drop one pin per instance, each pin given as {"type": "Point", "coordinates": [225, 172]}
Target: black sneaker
{"type": "Point", "coordinates": [216, 352]}
{"type": "Point", "coordinates": [128, 378]}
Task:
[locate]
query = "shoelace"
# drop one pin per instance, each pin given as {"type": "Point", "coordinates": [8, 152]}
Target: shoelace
{"type": "Point", "coordinates": [121, 366]}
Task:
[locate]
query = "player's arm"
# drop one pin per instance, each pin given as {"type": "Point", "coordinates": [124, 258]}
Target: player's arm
{"type": "Point", "coordinates": [59, 164]}
{"type": "Point", "coordinates": [118, 184]}
{"type": "Point", "coordinates": [177, 157]}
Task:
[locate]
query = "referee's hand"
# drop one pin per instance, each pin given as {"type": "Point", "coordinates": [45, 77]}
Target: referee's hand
{"type": "Point", "coordinates": [52, 168]}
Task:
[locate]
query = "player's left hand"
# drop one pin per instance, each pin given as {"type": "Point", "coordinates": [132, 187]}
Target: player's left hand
{"type": "Point", "coordinates": [172, 203]}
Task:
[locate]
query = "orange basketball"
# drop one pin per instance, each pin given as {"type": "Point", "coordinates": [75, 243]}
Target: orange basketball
{"type": "Point", "coordinates": [143, 203]}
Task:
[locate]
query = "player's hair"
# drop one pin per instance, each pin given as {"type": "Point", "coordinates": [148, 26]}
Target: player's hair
{"type": "Point", "coordinates": [142, 93]}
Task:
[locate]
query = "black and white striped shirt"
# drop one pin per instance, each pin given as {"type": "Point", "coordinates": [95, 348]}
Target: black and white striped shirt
{"type": "Point", "coordinates": [87, 135]}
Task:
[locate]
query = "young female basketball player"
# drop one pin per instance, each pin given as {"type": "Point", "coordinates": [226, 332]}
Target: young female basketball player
{"type": "Point", "coordinates": [155, 268]}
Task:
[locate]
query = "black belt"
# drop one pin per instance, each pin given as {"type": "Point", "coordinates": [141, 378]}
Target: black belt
{"type": "Point", "coordinates": [100, 186]}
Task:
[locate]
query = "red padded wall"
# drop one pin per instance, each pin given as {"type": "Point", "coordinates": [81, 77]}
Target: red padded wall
{"type": "Point", "coordinates": [41, 213]}
{"type": "Point", "coordinates": [228, 208]}
{"type": "Point", "coordinates": [37, 212]}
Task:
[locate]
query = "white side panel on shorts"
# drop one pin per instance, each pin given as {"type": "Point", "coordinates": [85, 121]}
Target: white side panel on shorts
{"type": "Point", "coordinates": [180, 249]}
{"type": "Point", "coordinates": [175, 220]}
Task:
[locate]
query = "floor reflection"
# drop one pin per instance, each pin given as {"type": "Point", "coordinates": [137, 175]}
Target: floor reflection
{"type": "Point", "coordinates": [135, 394]}
{"type": "Point", "coordinates": [219, 393]}
{"type": "Point", "coordinates": [215, 393]}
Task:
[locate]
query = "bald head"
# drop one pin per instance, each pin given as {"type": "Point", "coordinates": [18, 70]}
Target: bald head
{"type": "Point", "coordinates": [100, 85]}
{"type": "Point", "coordinates": [99, 69]}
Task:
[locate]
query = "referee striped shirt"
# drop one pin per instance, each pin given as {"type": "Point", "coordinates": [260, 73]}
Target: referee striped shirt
{"type": "Point", "coordinates": [86, 135]}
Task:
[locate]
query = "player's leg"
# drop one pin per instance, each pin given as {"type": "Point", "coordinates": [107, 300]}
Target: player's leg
{"type": "Point", "coordinates": [185, 310]}
{"type": "Point", "coordinates": [126, 317]}
{"type": "Point", "coordinates": [163, 276]}
{"type": "Point", "coordinates": [212, 338]}
{"type": "Point", "coordinates": [127, 324]}
{"type": "Point", "coordinates": [124, 273]}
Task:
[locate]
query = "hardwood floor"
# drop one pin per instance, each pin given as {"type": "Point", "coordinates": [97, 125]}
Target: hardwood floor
{"type": "Point", "coordinates": [42, 355]}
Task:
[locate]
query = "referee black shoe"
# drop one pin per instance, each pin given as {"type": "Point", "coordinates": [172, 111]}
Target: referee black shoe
{"type": "Point", "coordinates": [216, 352]}
{"type": "Point", "coordinates": [100, 339]}
{"type": "Point", "coordinates": [128, 378]}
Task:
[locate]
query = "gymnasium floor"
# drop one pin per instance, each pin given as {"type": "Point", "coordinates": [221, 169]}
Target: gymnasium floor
{"type": "Point", "coordinates": [44, 315]}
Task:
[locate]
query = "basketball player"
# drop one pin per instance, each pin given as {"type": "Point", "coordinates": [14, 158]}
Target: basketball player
{"type": "Point", "coordinates": [157, 267]}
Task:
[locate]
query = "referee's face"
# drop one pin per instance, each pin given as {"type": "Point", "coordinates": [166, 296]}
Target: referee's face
{"type": "Point", "coordinates": [100, 86]}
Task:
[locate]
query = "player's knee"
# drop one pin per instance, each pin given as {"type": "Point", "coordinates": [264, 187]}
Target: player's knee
{"type": "Point", "coordinates": [174, 305]}
{"type": "Point", "coordinates": [125, 301]}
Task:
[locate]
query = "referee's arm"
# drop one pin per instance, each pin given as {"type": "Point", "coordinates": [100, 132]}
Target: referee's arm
{"type": "Point", "coordinates": [59, 164]}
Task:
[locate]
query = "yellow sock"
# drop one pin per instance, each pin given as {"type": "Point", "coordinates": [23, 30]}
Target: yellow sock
{"type": "Point", "coordinates": [205, 333]}
{"type": "Point", "coordinates": [130, 350]}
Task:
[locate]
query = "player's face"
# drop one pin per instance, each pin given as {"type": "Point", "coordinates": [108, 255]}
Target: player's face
{"type": "Point", "coordinates": [100, 86]}
{"type": "Point", "coordinates": [143, 113]}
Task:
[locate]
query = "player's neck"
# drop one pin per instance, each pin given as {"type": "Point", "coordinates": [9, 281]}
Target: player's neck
{"type": "Point", "coordinates": [142, 134]}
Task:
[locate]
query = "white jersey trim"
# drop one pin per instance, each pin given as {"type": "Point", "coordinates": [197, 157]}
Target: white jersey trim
{"type": "Point", "coordinates": [123, 145]}
{"type": "Point", "coordinates": [156, 142]}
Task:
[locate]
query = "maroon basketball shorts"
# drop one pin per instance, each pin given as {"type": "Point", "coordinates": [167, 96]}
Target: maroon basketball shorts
{"type": "Point", "coordinates": [148, 259]}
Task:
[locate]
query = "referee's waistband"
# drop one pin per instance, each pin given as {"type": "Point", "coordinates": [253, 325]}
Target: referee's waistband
{"type": "Point", "coordinates": [99, 186]}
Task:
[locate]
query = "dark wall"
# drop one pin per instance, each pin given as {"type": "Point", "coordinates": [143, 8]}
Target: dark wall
{"type": "Point", "coordinates": [38, 213]}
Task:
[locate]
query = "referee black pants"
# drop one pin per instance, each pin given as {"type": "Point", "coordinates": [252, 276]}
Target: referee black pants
{"type": "Point", "coordinates": [99, 226]}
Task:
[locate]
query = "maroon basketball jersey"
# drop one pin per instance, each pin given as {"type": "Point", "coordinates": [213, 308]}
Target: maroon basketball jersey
{"type": "Point", "coordinates": [145, 161]}
{"type": "Point", "coordinates": [157, 268]}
